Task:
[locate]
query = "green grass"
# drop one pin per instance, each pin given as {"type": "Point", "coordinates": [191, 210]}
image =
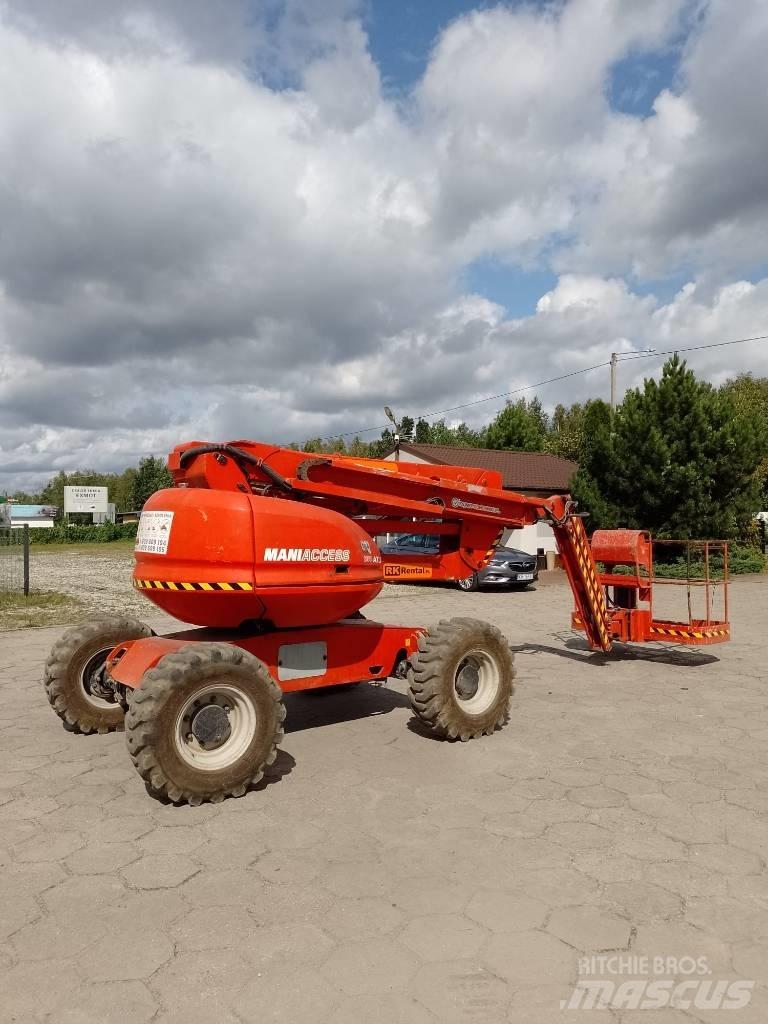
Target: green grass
{"type": "Point", "coordinates": [41, 608]}
{"type": "Point", "coordinates": [112, 547]}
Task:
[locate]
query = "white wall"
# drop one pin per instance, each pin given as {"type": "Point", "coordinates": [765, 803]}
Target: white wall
{"type": "Point", "coordinates": [33, 524]}
{"type": "Point", "coordinates": [531, 538]}
{"type": "Point", "coordinates": [404, 457]}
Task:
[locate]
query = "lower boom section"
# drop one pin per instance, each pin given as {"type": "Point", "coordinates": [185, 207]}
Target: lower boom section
{"type": "Point", "coordinates": [349, 651]}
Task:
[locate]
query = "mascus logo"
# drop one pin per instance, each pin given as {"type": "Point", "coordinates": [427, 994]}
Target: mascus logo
{"type": "Point", "coordinates": [407, 571]}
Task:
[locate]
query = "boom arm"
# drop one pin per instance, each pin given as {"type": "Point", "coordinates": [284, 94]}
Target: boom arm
{"type": "Point", "coordinates": [467, 508]}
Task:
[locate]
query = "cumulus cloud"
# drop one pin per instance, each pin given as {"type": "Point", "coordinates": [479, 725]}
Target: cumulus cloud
{"type": "Point", "coordinates": [223, 226]}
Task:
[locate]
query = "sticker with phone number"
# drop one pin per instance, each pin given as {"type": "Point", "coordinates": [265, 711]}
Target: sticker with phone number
{"type": "Point", "coordinates": [154, 533]}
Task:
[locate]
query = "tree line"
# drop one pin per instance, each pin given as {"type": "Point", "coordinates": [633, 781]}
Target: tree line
{"type": "Point", "coordinates": [678, 457]}
{"type": "Point", "coordinates": [128, 490]}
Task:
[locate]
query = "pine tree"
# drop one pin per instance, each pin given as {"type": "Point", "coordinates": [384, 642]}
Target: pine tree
{"type": "Point", "coordinates": [678, 460]}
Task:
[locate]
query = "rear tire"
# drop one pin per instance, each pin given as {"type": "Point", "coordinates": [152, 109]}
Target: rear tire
{"type": "Point", "coordinates": [195, 760]}
{"type": "Point", "coordinates": [74, 659]}
{"type": "Point", "coordinates": [461, 679]}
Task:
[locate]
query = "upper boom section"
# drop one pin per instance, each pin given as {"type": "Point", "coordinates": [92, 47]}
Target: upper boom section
{"type": "Point", "coordinates": [467, 508]}
{"type": "Point", "coordinates": [360, 487]}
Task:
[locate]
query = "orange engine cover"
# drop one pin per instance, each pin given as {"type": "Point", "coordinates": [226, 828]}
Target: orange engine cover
{"type": "Point", "coordinates": [218, 558]}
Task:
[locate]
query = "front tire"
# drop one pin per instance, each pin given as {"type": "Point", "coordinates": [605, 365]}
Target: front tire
{"type": "Point", "coordinates": [205, 723]}
{"type": "Point", "coordinates": [461, 679]}
{"type": "Point", "coordinates": [469, 583]}
{"type": "Point", "coordinates": [72, 669]}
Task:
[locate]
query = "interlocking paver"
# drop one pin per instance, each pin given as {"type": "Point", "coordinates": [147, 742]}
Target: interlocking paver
{"type": "Point", "coordinates": [356, 919]}
{"type": "Point", "coordinates": [376, 965]}
{"type": "Point", "coordinates": [507, 912]}
{"type": "Point", "coordinates": [142, 951]}
{"type": "Point", "coordinates": [589, 929]}
{"type": "Point", "coordinates": [213, 928]}
{"type": "Point", "coordinates": [640, 902]}
{"type": "Point", "coordinates": [294, 995]}
{"type": "Point", "coordinates": [47, 847]}
{"type": "Point", "coordinates": [160, 871]}
{"type": "Point", "coordinates": [116, 1002]}
{"type": "Point", "coordinates": [387, 877]}
{"type": "Point", "coordinates": [162, 840]}
{"type": "Point", "coordinates": [18, 909]}
{"type": "Point", "coordinates": [380, 1009]}
{"type": "Point", "coordinates": [462, 990]}
{"type": "Point", "coordinates": [102, 858]}
{"type": "Point", "coordinates": [530, 958]}
{"type": "Point", "coordinates": [443, 937]}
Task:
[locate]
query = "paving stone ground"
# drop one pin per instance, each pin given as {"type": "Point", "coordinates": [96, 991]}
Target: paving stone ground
{"type": "Point", "coordinates": [382, 876]}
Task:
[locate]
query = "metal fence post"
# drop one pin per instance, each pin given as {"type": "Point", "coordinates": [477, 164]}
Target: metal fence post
{"type": "Point", "coordinates": [26, 560]}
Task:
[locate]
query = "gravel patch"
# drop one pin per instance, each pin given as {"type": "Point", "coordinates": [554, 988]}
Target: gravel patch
{"type": "Point", "coordinates": [101, 582]}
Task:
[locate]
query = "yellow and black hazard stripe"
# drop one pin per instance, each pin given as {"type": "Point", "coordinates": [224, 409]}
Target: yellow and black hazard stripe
{"type": "Point", "coordinates": [702, 633]}
{"type": "Point", "coordinates": [186, 586]}
{"type": "Point", "coordinates": [493, 546]}
{"type": "Point", "coordinates": [594, 591]}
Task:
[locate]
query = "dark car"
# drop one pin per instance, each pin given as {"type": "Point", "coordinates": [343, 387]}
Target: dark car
{"type": "Point", "coordinates": [411, 544]}
{"type": "Point", "coordinates": [508, 566]}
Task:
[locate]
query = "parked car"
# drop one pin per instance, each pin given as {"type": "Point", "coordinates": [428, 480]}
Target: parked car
{"type": "Point", "coordinates": [508, 567]}
{"type": "Point", "coordinates": [411, 544]}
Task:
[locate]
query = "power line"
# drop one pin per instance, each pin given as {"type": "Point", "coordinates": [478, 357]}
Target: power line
{"type": "Point", "coordinates": [691, 348]}
{"type": "Point", "coordinates": [466, 405]}
{"type": "Point", "coordinates": [552, 380]}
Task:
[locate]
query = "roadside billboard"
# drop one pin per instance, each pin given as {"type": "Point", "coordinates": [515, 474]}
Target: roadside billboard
{"type": "Point", "coordinates": [86, 499]}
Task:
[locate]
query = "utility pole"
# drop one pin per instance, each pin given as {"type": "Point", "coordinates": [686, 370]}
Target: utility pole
{"type": "Point", "coordinates": [615, 363]}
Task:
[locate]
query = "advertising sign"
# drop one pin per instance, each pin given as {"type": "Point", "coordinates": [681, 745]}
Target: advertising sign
{"type": "Point", "coordinates": [85, 499]}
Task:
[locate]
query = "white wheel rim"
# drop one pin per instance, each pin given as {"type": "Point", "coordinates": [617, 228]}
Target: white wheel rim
{"type": "Point", "coordinates": [87, 672]}
{"type": "Point", "coordinates": [476, 700]}
{"type": "Point", "coordinates": [242, 718]}
{"type": "Point", "coordinates": [466, 583]}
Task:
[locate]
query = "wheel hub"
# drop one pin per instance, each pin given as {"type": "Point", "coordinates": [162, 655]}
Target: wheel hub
{"type": "Point", "coordinates": [467, 682]}
{"type": "Point", "coordinates": [210, 726]}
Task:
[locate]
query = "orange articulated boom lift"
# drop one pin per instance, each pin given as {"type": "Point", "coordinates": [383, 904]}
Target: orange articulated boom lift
{"type": "Point", "coordinates": [271, 552]}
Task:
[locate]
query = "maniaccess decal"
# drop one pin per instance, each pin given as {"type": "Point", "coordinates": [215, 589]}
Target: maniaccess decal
{"type": "Point", "coordinates": [306, 554]}
{"type": "Point", "coordinates": [405, 572]}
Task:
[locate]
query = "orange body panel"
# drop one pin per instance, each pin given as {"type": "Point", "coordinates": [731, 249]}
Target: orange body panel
{"type": "Point", "coordinates": [624, 547]}
{"type": "Point", "coordinates": [351, 651]}
{"type": "Point", "coordinates": [231, 558]}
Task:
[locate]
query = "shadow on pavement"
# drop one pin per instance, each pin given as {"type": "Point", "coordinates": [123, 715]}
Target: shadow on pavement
{"type": "Point", "coordinates": [577, 650]}
{"type": "Point", "coordinates": [311, 709]}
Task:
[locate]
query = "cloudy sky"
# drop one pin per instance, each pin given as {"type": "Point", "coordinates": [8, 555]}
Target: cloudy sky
{"type": "Point", "coordinates": [270, 218]}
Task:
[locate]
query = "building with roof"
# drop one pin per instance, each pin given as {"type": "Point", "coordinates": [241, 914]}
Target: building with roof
{"type": "Point", "coordinates": [37, 516]}
{"type": "Point", "coordinates": [538, 474]}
